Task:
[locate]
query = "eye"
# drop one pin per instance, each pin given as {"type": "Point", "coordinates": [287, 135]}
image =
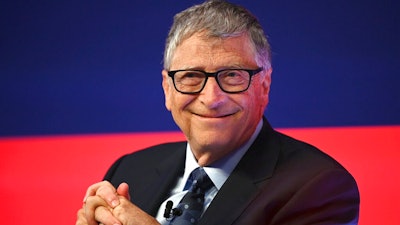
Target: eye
{"type": "Point", "coordinates": [233, 77]}
{"type": "Point", "coordinates": [190, 74]}
{"type": "Point", "coordinates": [189, 78]}
{"type": "Point", "coordinates": [232, 73]}
{"type": "Point", "coordinates": [194, 75]}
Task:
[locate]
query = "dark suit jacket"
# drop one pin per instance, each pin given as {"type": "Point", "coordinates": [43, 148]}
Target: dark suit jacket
{"type": "Point", "coordinates": [279, 180]}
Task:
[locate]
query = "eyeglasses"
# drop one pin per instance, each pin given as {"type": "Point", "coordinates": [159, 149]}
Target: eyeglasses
{"type": "Point", "coordinates": [229, 80]}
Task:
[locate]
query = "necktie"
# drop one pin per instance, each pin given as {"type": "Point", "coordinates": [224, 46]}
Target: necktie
{"type": "Point", "coordinates": [193, 202]}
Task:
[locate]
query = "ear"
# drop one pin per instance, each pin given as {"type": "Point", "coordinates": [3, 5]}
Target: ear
{"type": "Point", "coordinates": [266, 85]}
{"type": "Point", "coordinates": [166, 84]}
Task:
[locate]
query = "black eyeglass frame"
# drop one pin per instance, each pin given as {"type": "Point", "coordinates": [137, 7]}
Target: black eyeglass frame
{"type": "Point", "coordinates": [215, 75]}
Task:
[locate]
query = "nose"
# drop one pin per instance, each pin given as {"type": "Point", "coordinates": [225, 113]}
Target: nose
{"type": "Point", "coordinates": [212, 95]}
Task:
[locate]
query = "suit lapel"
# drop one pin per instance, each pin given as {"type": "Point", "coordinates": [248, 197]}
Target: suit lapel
{"type": "Point", "coordinates": [241, 187]}
{"type": "Point", "coordinates": [164, 178]}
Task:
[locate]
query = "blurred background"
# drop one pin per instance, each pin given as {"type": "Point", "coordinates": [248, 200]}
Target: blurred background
{"type": "Point", "coordinates": [76, 67]}
{"type": "Point", "coordinates": [80, 85]}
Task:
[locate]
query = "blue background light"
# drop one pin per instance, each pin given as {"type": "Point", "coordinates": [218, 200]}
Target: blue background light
{"type": "Point", "coordinates": [75, 67]}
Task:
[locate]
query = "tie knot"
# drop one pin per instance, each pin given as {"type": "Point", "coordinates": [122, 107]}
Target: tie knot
{"type": "Point", "coordinates": [200, 179]}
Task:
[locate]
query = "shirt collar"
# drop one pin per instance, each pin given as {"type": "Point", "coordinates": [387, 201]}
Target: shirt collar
{"type": "Point", "coordinates": [220, 170]}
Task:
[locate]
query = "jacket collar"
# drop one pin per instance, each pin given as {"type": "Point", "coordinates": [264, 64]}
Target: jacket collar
{"type": "Point", "coordinates": [241, 187]}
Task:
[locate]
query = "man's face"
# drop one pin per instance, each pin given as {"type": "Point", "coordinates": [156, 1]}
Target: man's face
{"type": "Point", "coordinates": [214, 122]}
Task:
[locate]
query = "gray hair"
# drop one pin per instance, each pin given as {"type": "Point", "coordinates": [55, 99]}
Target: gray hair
{"type": "Point", "coordinates": [218, 19]}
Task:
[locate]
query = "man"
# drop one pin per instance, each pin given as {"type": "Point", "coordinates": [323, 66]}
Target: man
{"type": "Point", "coordinates": [216, 81]}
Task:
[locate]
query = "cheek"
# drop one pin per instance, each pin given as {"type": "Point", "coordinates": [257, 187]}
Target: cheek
{"type": "Point", "coordinates": [178, 103]}
{"type": "Point", "coordinates": [180, 112]}
{"type": "Point", "coordinates": [257, 101]}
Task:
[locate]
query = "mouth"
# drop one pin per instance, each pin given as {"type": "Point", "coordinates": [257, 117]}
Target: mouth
{"type": "Point", "coordinates": [214, 116]}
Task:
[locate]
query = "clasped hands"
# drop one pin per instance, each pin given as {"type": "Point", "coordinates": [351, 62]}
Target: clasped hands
{"type": "Point", "coordinates": [103, 204]}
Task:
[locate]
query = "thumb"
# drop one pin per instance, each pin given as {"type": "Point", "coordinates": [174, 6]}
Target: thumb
{"type": "Point", "coordinates": [123, 190]}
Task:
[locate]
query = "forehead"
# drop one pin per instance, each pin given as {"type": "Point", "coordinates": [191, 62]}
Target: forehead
{"type": "Point", "coordinates": [199, 51]}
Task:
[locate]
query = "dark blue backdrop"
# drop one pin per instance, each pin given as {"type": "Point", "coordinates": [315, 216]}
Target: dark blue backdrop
{"type": "Point", "coordinates": [93, 66]}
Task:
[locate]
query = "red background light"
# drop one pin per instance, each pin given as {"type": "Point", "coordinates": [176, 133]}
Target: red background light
{"type": "Point", "coordinates": [43, 179]}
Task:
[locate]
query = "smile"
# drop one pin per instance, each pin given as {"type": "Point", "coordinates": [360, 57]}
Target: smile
{"type": "Point", "coordinates": [213, 116]}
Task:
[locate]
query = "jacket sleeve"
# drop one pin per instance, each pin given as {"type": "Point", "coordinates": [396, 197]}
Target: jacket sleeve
{"type": "Point", "coordinates": [331, 197]}
{"type": "Point", "coordinates": [111, 171]}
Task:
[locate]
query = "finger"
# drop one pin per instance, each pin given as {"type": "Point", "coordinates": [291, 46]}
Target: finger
{"type": "Point", "coordinates": [128, 213]}
{"type": "Point", "coordinates": [104, 216]}
{"type": "Point", "coordinates": [92, 189]}
{"type": "Point", "coordinates": [92, 203]}
{"type": "Point", "coordinates": [108, 193]}
{"type": "Point", "coordinates": [105, 190]}
{"type": "Point", "coordinates": [81, 219]}
{"type": "Point", "coordinates": [123, 190]}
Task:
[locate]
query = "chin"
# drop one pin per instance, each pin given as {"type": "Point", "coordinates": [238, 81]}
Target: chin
{"type": "Point", "coordinates": [212, 142]}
